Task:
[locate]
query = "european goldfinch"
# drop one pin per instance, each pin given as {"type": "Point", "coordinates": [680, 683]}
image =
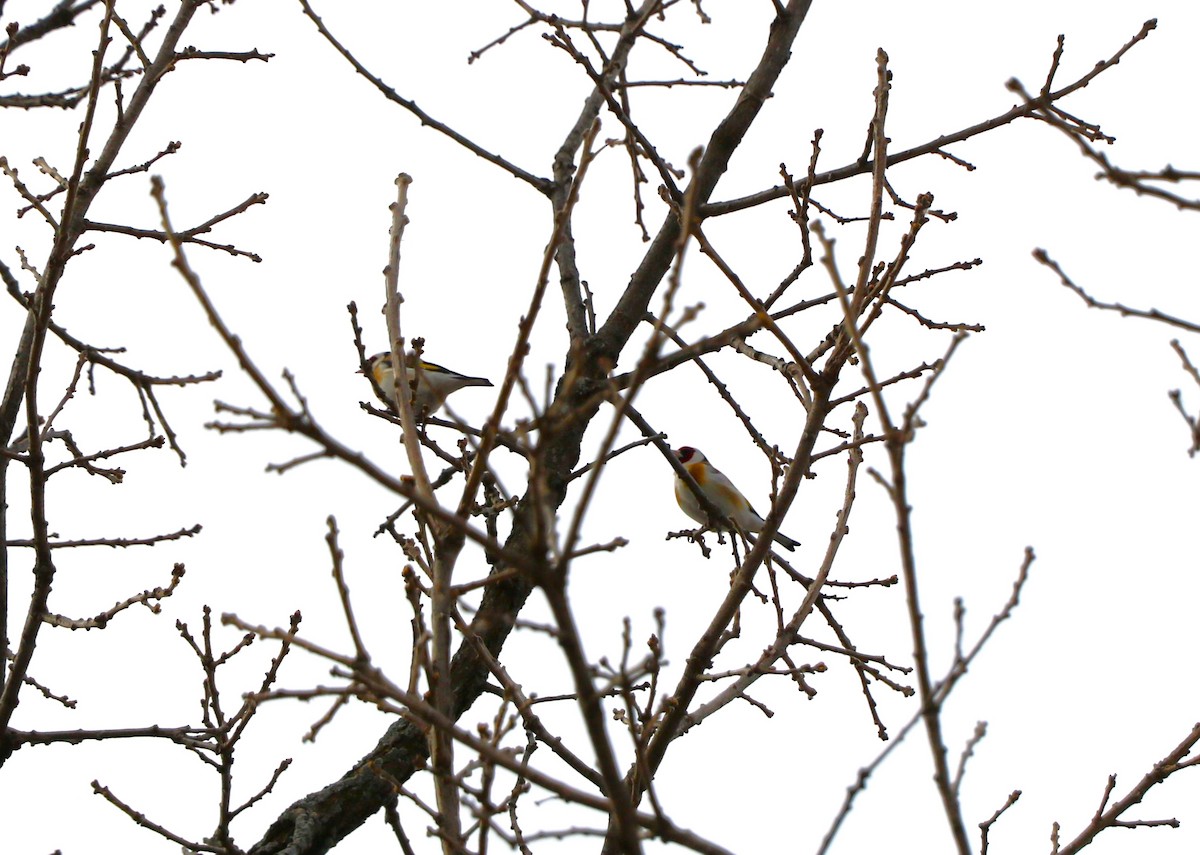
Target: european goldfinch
{"type": "Point", "coordinates": [720, 491]}
{"type": "Point", "coordinates": [431, 383]}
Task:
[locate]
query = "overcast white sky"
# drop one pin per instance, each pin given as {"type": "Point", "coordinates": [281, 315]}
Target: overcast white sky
{"type": "Point", "coordinates": [1051, 429]}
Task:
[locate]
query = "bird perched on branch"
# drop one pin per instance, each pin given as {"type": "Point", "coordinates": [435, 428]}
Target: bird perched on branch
{"type": "Point", "coordinates": [431, 383]}
{"type": "Point", "coordinates": [719, 490]}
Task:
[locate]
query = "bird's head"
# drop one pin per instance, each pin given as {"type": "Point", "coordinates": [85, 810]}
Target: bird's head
{"type": "Point", "coordinates": [379, 369]}
{"type": "Point", "coordinates": [378, 362]}
{"type": "Point", "coordinates": [686, 454]}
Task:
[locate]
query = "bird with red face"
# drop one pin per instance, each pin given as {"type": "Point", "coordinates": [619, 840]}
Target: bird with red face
{"type": "Point", "coordinates": [719, 490]}
{"type": "Point", "coordinates": [431, 384]}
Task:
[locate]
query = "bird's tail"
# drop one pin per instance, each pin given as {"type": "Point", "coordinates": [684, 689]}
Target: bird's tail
{"type": "Point", "coordinates": [786, 542]}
